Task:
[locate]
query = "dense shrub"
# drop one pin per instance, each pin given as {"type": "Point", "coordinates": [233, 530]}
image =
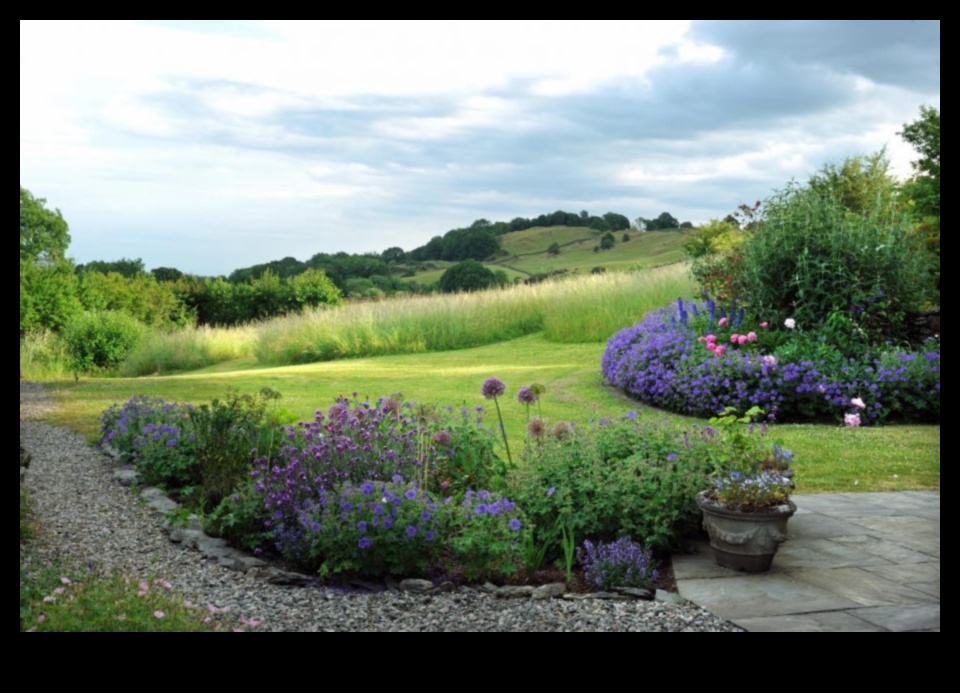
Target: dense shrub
{"type": "Point", "coordinates": [813, 257]}
{"type": "Point", "coordinates": [792, 374]}
{"type": "Point", "coordinates": [623, 478]}
{"type": "Point", "coordinates": [203, 452]}
{"type": "Point", "coordinates": [101, 341]}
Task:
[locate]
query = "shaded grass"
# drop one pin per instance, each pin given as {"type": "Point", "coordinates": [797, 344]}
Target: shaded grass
{"type": "Point", "coordinates": [829, 458]}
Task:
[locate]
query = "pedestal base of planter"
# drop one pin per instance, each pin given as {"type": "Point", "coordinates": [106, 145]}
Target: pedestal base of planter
{"type": "Point", "coordinates": [745, 542]}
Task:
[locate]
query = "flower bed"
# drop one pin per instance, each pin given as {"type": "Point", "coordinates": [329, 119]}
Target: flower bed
{"type": "Point", "coordinates": [685, 359]}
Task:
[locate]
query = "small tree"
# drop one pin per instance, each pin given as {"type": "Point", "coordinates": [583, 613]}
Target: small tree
{"type": "Point", "coordinates": [608, 242]}
{"type": "Point", "coordinates": [554, 249]}
{"type": "Point", "coordinates": [469, 275]}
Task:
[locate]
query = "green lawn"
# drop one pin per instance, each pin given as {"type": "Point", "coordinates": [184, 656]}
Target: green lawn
{"type": "Point", "coordinates": [829, 459]}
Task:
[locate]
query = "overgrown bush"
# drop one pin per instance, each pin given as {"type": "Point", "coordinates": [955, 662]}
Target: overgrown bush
{"type": "Point", "coordinates": [813, 258]}
{"type": "Point", "coordinates": [101, 341]}
{"type": "Point", "coordinates": [621, 478]}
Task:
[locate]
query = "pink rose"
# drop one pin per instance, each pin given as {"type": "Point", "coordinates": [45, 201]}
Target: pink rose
{"type": "Point", "coordinates": [743, 340]}
{"type": "Point", "coordinates": [764, 326]}
{"type": "Point", "coordinates": [723, 322]}
{"type": "Point", "coordinates": [735, 339]}
{"type": "Point", "coordinates": [752, 337]}
{"type": "Point", "coordinates": [721, 350]}
{"type": "Point", "coordinates": [711, 346]}
{"type": "Point", "coordinates": [712, 339]}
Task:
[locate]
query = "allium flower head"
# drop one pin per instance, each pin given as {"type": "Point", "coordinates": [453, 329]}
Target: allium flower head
{"type": "Point", "coordinates": [443, 439]}
{"type": "Point", "coordinates": [562, 431]}
{"type": "Point", "coordinates": [527, 396]}
{"type": "Point", "coordinates": [536, 428]}
{"type": "Point", "coordinates": [493, 388]}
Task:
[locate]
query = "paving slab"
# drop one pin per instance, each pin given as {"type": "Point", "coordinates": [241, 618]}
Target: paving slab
{"type": "Point", "coordinates": [854, 563]}
{"type": "Point", "coordinates": [904, 620]}
{"type": "Point", "coordinates": [906, 574]}
{"type": "Point", "coordinates": [762, 596]}
{"type": "Point", "coordinates": [823, 554]}
{"type": "Point", "coordinates": [838, 622]}
{"type": "Point", "coordinates": [866, 589]}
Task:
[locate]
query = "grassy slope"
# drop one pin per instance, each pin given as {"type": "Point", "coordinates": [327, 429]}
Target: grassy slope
{"type": "Point", "coordinates": [528, 252]}
{"type": "Point", "coordinates": [829, 459]}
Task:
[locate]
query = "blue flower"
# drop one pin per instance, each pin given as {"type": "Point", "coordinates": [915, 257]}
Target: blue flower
{"type": "Point", "coordinates": [516, 525]}
{"type": "Point", "coordinates": [364, 544]}
{"type": "Point", "coordinates": [412, 532]}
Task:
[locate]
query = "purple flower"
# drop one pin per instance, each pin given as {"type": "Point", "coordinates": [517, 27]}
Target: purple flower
{"type": "Point", "coordinates": [551, 492]}
{"type": "Point", "coordinates": [362, 527]}
{"type": "Point", "coordinates": [516, 525]}
{"type": "Point", "coordinates": [364, 544]}
{"type": "Point", "coordinates": [493, 388]}
{"type": "Point", "coordinates": [367, 490]}
{"type": "Point", "coordinates": [430, 537]}
{"type": "Point", "coordinates": [426, 517]}
{"type": "Point", "coordinates": [527, 396]}
{"type": "Point", "coordinates": [411, 532]}
{"type": "Point", "coordinates": [481, 509]}
{"type": "Point", "coordinates": [411, 495]}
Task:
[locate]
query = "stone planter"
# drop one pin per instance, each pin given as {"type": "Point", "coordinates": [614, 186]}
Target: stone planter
{"type": "Point", "coordinates": [745, 542]}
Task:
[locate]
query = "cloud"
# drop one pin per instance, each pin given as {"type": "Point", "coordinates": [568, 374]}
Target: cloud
{"type": "Point", "coordinates": [215, 145]}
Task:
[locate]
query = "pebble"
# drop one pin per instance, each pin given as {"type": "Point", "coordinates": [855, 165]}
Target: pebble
{"type": "Point", "coordinates": [89, 519]}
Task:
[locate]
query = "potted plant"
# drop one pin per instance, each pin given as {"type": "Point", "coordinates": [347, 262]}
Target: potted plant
{"type": "Point", "coordinates": [747, 510]}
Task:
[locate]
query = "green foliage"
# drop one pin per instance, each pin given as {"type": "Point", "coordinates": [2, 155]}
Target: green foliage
{"type": "Point", "coordinates": [608, 242]}
{"type": "Point", "coordinates": [124, 267]}
{"type": "Point", "coordinates": [101, 341]}
{"type": "Point", "coordinates": [924, 136]}
{"type": "Point", "coordinates": [814, 257]}
{"type": "Point", "coordinates": [554, 249]}
{"type": "Point", "coordinates": [468, 276]}
{"type": "Point", "coordinates": [224, 433]}
{"type": "Point", "coordinates": [628, 478]}
{"type": "Point", "coordinates": [861, 185]}
{"type": "Point", "coordinates": [48, 296]}
{"type": "Point", "coordinates": [139, 296]}
{"type": "Point", "coordinates": [48, 286]}
{"type": "Point", "coordinates": [665, 222]}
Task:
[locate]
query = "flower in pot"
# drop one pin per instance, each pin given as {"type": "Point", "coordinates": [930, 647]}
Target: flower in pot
{"type": "Point", "coordinates": [747, 510]}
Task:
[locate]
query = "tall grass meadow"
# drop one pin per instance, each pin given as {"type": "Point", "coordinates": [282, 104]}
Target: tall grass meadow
{"type": "Point", "coordinates": [191, 349]}
{"type": "Point", "coordinates": [584, 309]}
{"type": "Point", "coordinates": [580, 310]}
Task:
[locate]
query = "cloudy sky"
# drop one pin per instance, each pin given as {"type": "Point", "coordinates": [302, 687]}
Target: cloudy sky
{"type": "Point", "coordinates": [209, 145]}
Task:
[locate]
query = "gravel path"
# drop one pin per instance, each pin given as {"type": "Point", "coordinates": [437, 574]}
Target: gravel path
{"type": "Point", "coordinates": [86, 518]}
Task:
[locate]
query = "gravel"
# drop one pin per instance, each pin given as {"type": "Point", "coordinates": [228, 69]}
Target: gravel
{"type": "Point", "coordinates": [86, 519]}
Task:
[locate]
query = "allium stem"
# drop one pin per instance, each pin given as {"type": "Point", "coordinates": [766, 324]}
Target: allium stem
{"type": "Point", "coordinates": [503, 430]}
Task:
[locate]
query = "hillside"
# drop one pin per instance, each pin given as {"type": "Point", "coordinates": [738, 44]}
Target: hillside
{"type": "Point", "coordinates": [527, 252]}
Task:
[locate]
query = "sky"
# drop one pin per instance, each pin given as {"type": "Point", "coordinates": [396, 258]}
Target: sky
{"type": "Point", "coordinates": [209, 145]}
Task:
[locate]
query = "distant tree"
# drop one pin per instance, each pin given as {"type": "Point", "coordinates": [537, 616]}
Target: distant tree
{"type": "Point", "coordinates": [687, 225]}
{"type": "Point", "coordinates": [598, 270]}
{"type": "Point", "coordinates": [467, 276]}
{"type": "Point", "coordinates": [640, 224]}
{"type": "Point", "coordinates": [393, 256]}
{"type": "Point", "coordinates": [554, 249]}
{"type": "Point", "coordinates": [924, 136]}
{"type": "Point", "coordinates": [608, 242]}
{"type": "Point", "coordinates": [44, 234]}
{"type": "Point", "coordinates": [166, 274]}
{"type": "Point", "coordinates": [665, 222]}
{"type": "Point", "coordinates": [616, 222]}
{"type": "Point", "coordinates": [626, 238]}
{"type": "Point", "coordinates": [125, 268]}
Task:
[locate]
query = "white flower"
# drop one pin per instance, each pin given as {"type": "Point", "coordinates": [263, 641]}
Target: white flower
{"type": "Point", "coordinates": [858, 403]}
{"type": "Point", "coordinates": [790, 324]}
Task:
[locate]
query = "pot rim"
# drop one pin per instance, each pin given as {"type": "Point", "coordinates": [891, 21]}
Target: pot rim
{"type": "Point", "coordinates": [778, 512]}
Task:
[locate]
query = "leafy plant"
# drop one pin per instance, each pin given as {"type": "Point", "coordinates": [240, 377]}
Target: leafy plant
{"type": "Point", "coordinates": [101, 341]}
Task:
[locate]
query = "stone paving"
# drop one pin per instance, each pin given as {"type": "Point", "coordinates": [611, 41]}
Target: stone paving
{"type": "Point", "coordinates": [867, 563]}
